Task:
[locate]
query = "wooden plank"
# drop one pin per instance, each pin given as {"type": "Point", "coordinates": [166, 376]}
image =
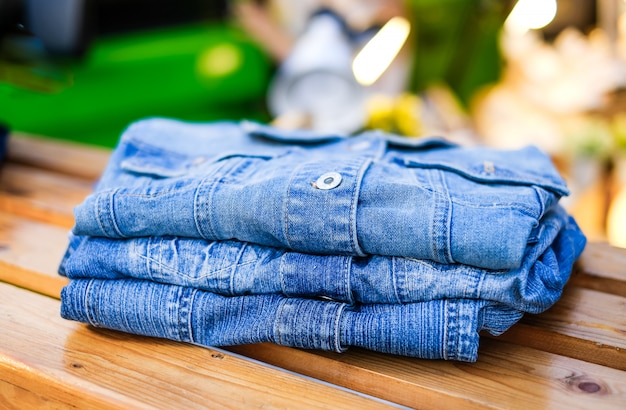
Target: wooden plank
{"type": "Point", "coordinates": [30, 253]}
{"type": "Point", "coordinates": [45, 360]}
{"type": "Point", "coordinates": [85, 161]}
{"type": "Point", "coordinates": [41, 195]}
{"type": "Point", "coordinates": [506, 376]}
{"type": "Point", "coordinates": [584, 324]}
{"type": "Point", "coordinates": [601, 267]}
{"type": "Point", "coordinates": [603, 260]}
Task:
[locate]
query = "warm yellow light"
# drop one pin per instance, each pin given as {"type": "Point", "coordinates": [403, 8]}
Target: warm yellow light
{"type": "Point", "coordinates": [616, 220]}
{"type": "Point", "coordinates": [531, 14]}
{"type": "Point", "coordinates": [378, 54]}
{"type": "Point", "coordinates": [219, 61]}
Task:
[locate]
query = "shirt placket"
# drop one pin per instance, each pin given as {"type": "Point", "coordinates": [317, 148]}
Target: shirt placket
{"type": "Point", "coordinates": [321, 199]}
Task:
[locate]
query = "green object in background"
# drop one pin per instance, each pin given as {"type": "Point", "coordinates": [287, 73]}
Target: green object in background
{"type": "Point", "coordinates": [202, 72]}
{"type": "Point", "coordinates": [456, 43]}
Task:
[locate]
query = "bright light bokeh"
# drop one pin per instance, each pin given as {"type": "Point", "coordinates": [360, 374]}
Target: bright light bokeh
{"type": "Point", "coordinates": [616, 220]}
{"type": "Point", "coordinates": [219, 60]}
{"type": "Point", "coordinates": [378, 54]}
{"type": "Point", "coordinates": [531, 15]}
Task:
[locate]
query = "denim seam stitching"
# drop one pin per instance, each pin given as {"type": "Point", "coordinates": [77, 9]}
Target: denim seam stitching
{"type": "Point", "coordinates": [106, 210]}
{"type": "Point", "coordinates": [147, 259]}
{"type": "Point", "coordinates": [446, 343]}
{"type": "Point", "coordinates": [348, 280]}
{"type": "Point", "coordinates": [432, 189]}
{"type": "Point", "coordinates": [126, 317]}
{"type": "Point", "coordinates": [192, 299]}
{"type": "Point", "coordinates": [451, 328]}
{"type": "Point", "coordinates": [164, 267]}
{"type": "Point", "coordinates": [281, 274]}
{"type": "Point", "coordinates": [86, 299]}
{"type": "Point", "coordinates": [466, 333]}
{"type": "Point", "coordinates": [356, 190]}
{"type": "Point", "coordinates": [440, 227]}
{"type": "Point", "coordinates": [504, 205]}
{"type": "Point", "coordinates": [209, 187]}
{"type": "Point", "coordinates": [525, 210]}
{"type": "Point", "coordinates": [448, 222]}
{"type": "Point", "coordinates": [234, 267]}
{"type": "Point", "coordinates": [395, 279]}
{"type": "Point", "coordinates": [197, 205]}
{"type": "Point", "coordinates": [477, 177]}
{"type": "Point", "coordinates": [206, 205]}
{"type": "Point", "coordinates": [479, 279]}
{"type": "Point", "coordinates": [168, 191]}
{"type": "Point", "coordinates": [285, 209]}
{"type": "Point", "coordinates": [277, 321]}
{"type": "Point", "coordinates": [463, 331]}
{"type": "Point", "coordinates": [542, 209]}
{"type": "Point", "coordinates": [337, 329]}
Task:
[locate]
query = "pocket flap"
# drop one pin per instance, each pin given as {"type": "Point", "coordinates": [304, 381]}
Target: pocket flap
{"type": "Point", "coordinates": [154, 161]}
{"type": "Point", "coordinates": [526, 166]}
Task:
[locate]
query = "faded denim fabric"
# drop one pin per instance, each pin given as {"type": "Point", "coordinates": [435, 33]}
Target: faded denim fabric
{"type": "Point", "coordinates": [233, 268]}
{"type": "Point", "coordinates": [441, 329]}
{"type": "Point", "coordinates": [371, 194]}
{"type": "Point", "coordinates": [222, 234]}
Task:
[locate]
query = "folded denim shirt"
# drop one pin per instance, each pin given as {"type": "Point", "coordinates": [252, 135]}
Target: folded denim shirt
{"type": "Point", "coordinates": [442, 329]}
{"type": "Point", "coordinates": [369, 194]}
{"type": "Point", "coordinates": [233, 268]}
{"type": "Point", "coordinates": [229, 233]}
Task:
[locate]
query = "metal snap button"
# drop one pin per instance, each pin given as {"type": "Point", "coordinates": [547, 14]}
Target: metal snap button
{"type": "Point", "coordinates": [329, 180]}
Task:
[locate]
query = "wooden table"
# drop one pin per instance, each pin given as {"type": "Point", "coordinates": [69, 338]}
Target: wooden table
{"type": "Point", "coordinates": [572, 356]}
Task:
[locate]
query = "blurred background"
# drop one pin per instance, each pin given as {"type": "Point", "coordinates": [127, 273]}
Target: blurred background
{"type": "Point", "coordinates": [502, 73]}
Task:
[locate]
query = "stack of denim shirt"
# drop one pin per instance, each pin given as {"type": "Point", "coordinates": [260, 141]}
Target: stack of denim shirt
{"type": "Point", "coordinates": [231, 233]}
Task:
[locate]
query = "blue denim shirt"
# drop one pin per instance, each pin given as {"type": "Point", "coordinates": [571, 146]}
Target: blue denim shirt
{"type": "Point", "coordinates": [233, 268]}
{"type": "Point", "coordinates": [440, 329]}
{"type": "Point", "coordinates": [371, 194]}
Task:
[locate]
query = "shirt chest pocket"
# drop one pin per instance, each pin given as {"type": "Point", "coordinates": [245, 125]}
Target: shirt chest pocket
{"type": "Point", "coordinates": [258, 144]}
{"type": "Point", "coordinates": [526, 167]}
{"type": "Point", "coordinates": [158, 163]}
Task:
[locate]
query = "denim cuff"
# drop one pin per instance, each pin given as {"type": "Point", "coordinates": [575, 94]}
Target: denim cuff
{"type": "Point", "coordinates": [329, 276]}
{"type": "Point", "coordinates": [309, 324]}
